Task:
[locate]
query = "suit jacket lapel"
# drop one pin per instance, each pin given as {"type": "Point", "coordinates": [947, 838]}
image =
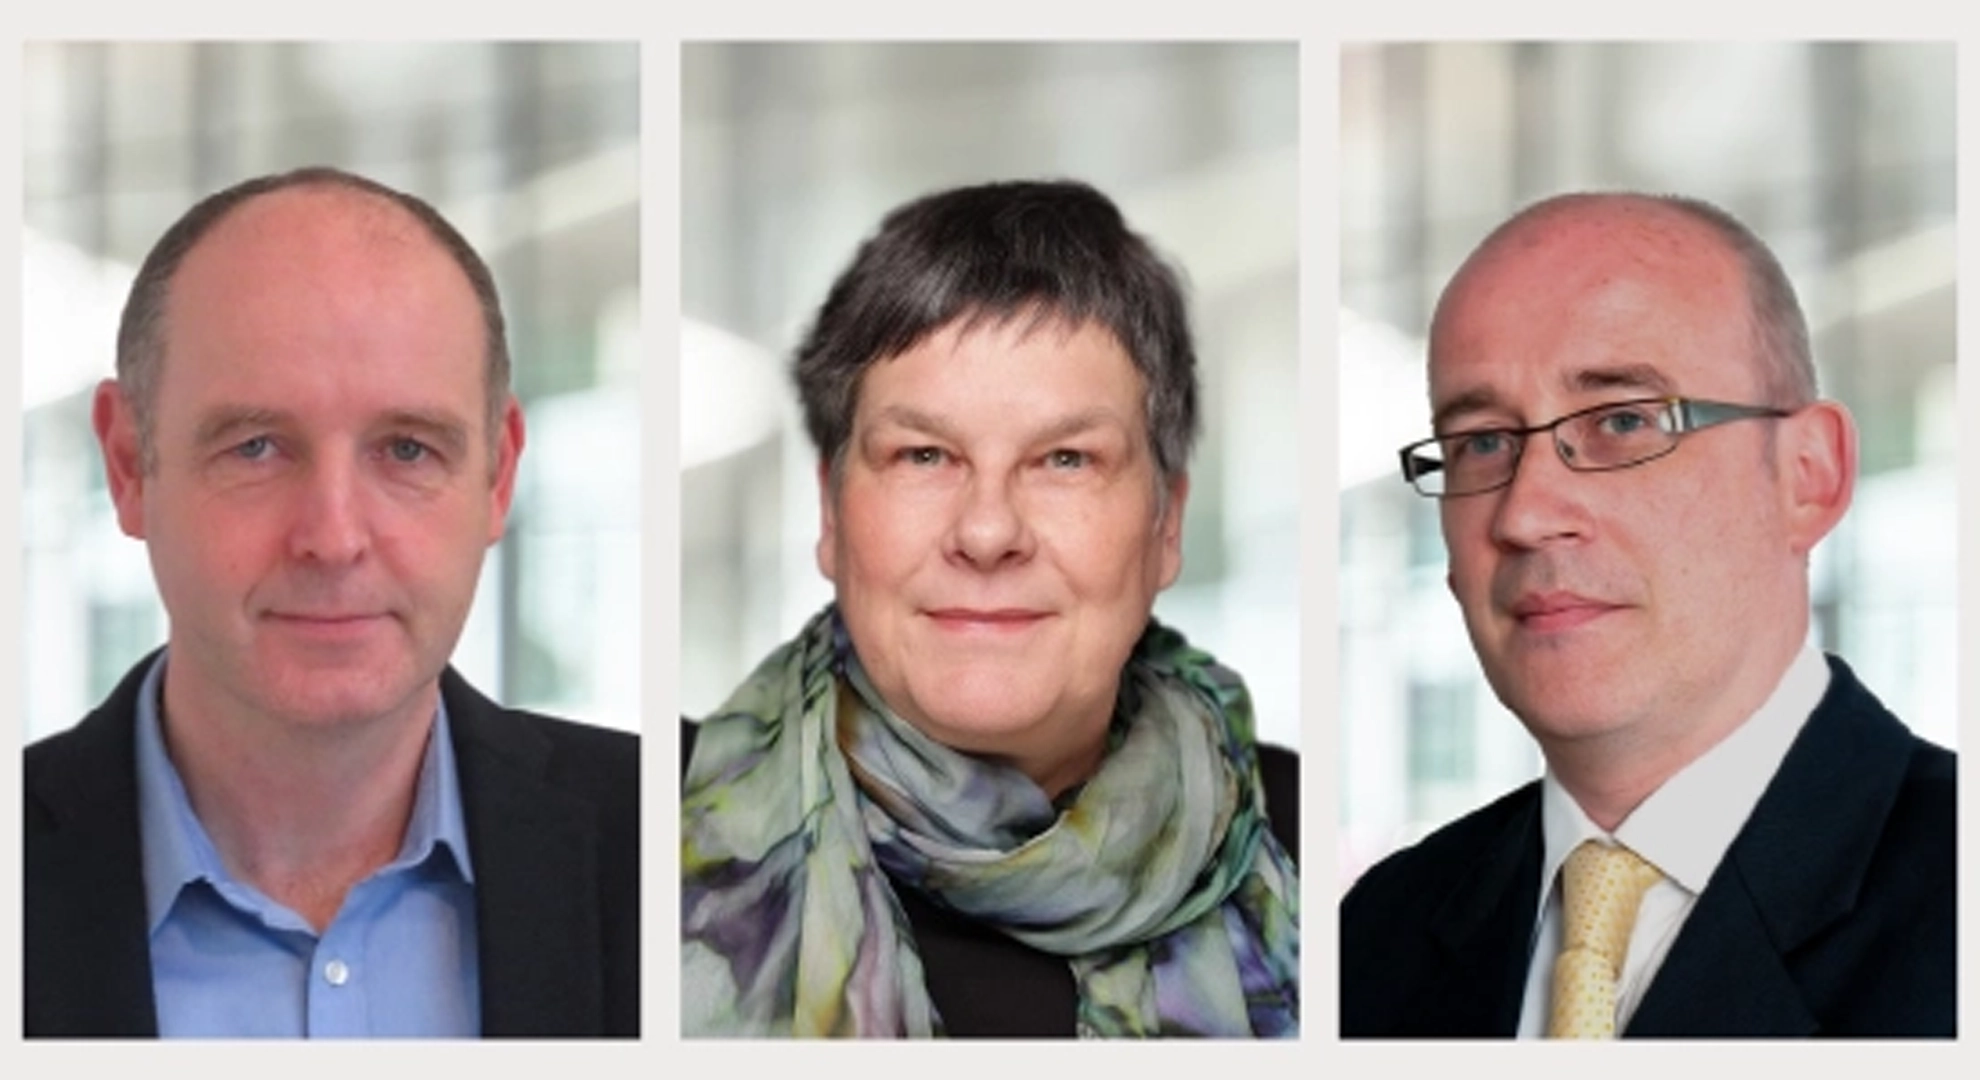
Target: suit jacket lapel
{"type": "Point", "coordinates": [87, 948]}
{"type": "Point", "coordinates": [1484, 934]}
{"type": "Point", "coordinates": [535, 853]}
{"type": "Point", "coordinates": [1793, 870]}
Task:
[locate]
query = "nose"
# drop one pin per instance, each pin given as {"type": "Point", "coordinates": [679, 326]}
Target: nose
{"type": "Point", "coordinates": [1542, 504]}
{"type": "Point", "coordinates": [990, 528]}
{"type": "Point", "coordinates": [329, 523]}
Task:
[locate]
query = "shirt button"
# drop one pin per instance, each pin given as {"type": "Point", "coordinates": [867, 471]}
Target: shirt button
{"type": "Point", "coordinates": [337, 973]}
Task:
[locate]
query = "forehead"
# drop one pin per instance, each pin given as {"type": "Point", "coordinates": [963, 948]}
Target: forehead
{"type": "Point", "coordinates": [323, 282]}
{"type": "Point", "coordinates": [1591, 297]}
{"type": "Point", "coordinates": [1036, 361]}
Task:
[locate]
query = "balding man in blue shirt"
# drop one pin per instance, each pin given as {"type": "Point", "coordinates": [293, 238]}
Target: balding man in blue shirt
{"type": "Point", "coordinates": [295, 819]}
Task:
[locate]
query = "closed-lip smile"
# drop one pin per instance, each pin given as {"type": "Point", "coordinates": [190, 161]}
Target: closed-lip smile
{"type": "Point", "coordinates": [986, 619]}
{"type": "Point", "coordinates": [1553, 611]}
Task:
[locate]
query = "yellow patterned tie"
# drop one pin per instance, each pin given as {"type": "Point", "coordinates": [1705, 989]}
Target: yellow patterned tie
{"type": "Point", "coordinates": [1601, 887]}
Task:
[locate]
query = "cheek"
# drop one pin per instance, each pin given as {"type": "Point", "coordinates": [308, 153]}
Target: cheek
{"type": "Point", "coordinates": [876, 541]}
{"type": "Point", "coordinates": [1104, 561]}
{"type": "Point", "coordinates": [213, 535]}
{"type": "Point", "coordinates": [438, 542]}
{"type": "Point", "coordinates": [204, 566]}
{"type": "Point", "coordinates": [1714, 559]}
{"type": "Point", "coordinates": [1469, 554]}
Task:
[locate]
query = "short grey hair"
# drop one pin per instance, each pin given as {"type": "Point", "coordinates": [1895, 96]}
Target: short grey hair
{"type": "Point", "coordinates": [1038, 250]}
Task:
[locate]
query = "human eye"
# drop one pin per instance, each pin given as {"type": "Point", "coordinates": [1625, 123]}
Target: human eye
{"type": "Point", "coordinates": [1068, 459]}
{"type": "Point", "coordinates": [405, 450]}
{"type": "Point", "coordinates": [1482, 445]}
{"type": "Point", "coordinates": [921, 456]}
{"type": "Point", "coordinates": [254, 448]}
{"type": "Point", "coordinates": [1626, 421]}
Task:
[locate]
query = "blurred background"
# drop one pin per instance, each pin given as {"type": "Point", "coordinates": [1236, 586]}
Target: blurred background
{"type": "Point", "coordinates": [790, 156]}
{"type": "Point", "coordinates": [531, 151]}
{"type": "Point", "coordinates": [1840, 156]}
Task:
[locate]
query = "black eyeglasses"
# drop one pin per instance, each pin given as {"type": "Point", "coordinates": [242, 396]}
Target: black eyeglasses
{"type": "Point", "coordinates": [1616, 435]}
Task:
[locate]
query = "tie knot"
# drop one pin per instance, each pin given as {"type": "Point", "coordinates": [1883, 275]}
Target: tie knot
{"type": "Point", "coordinates": [1601, 886]}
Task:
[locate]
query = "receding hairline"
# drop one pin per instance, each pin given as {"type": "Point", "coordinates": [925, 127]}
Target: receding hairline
{"type": "Point", "coordinates": [145, 325]}
{"type": "Point", "coordinates": [378, 212]}
{"type": "Point", "coordinates": [380, 217]}
{"type": "Point", "coordinates": [1683, 228]}
{"type": "Point", "coordinates": [1534, 224]}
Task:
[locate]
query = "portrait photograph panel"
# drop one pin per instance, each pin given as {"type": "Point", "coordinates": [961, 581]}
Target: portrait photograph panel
{"type": "Point", "coordinates": [1648, 534]}
{"type": "Point", "coordinates": [332, 542]}
{"type": "Point", "coordinates": [989, 538]}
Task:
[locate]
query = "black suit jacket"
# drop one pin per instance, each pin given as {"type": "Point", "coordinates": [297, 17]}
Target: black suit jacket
{"type": "Point", "coordinates": [987, 985]}
{"type": "Point", "coordinates": [1832, 912]}
{"type": "Point", "coordinates": [552, 813]}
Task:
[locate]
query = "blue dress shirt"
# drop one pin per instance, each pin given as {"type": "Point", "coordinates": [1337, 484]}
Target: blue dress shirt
{"type": "Point", "coordinates": [398, 959]}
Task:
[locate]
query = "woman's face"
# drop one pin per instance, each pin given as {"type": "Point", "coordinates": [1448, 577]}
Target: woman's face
{"type": "Point", "coordinates": [997, 537]}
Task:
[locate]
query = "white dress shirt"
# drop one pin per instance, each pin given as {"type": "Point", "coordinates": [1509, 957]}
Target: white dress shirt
{"type": "Point", "coordinates": [1684, 828]}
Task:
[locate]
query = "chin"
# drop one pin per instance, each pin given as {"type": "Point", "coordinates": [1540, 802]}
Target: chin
{"type": "Point", "coordinates": [985, 729]}
{"type": "Point", "coordinates": [981, 715]}
{"type": "Point", "coordinates": [315, 699]}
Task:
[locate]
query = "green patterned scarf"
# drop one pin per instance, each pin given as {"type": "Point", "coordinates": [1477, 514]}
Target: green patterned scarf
{"type": "Point", "coordinates": [1160, 883]}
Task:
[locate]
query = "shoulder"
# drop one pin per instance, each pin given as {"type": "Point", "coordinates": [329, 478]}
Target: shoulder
{"type": "Point", "coordinates": [1853, 733]}
{"type": "Point", "coordinates": [85, 970]}
{"type": "Point", "coordinates": [1278, 770]}
{"type": "Point", "coordinates": [1854, 743]}
{"type": "Point", "coordinates": [553, 820]}
{"type": "Point", "coordinates": [75, 754]}
{"type": "Point", "coordinates": [73, 766]}
{"type": "Point", "coordinates": [598, 762]}
{"type": "Point", "coordinates": [1412, 881]}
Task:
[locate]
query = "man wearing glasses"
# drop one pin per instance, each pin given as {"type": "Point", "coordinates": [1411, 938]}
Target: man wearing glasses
{"type": "Point", "coordinates": [1732, 836]}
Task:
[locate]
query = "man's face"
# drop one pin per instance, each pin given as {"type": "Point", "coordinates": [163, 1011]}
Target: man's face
{"type": "Point", "coordinates": [323, 490]}
{"type": "Point", "coordinates": [1633, 602]}
{"type": "Point", "coordinates": [995, 537]}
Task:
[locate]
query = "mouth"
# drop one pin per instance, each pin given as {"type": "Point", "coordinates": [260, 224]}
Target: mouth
{"type": "Point", "coordinates": [1554, 612]}
{"type": "Point", "coordinates": [986, 620]}
{"type": "Point", "coordinates": [329, 625]}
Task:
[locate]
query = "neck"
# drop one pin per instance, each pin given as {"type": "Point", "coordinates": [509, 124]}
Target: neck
{"type": "Point", "coordinates": [302, 813]}
{"type": "Point", "coordinates": [1063, 773]}
{"type": "Point", "coordinates": [1611, 773]}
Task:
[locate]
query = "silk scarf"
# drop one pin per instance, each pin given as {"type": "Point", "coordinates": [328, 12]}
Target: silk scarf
{"type": "Point", "coordinates": [1158, 880]}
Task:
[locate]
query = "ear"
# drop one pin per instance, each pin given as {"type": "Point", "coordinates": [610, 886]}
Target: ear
{"type": "Point", "coordinates": [828, 523]}
{"type": "Point", "coordinates": [123, 459]}
{"type": "Point", "coordinates": [508, 452]}
{"type": "Point", "coordinates": [1817, 463]}
{"type": "Point", "coordinates": [1168, 529]}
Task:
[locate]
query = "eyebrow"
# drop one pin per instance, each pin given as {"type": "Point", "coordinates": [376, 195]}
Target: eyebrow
{"type": "Point", "coordinates": [1065, 427]}
{"type": "Point", "coordinates": [1642, 377]}
{"type": "Point", "coordinates": [1622, 377]}
{"type": "Point", "coordinates": [915, 420]}
{"type": "Point", "coordinates": [225, 422]}
{"type": "Point", "coordinates": [447, 432]}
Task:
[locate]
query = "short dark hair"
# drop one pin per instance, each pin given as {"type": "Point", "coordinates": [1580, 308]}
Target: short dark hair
{"type": "Point", "coordinates": [1048, 250]}
{"type": "Point", "coordinates": [141, 332]}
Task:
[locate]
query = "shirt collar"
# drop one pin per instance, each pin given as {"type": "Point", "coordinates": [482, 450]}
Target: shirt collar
{"type": "Point", "coordinates": [177, 850]}
{"type": "Point", "coordinates": [1686, 825]}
